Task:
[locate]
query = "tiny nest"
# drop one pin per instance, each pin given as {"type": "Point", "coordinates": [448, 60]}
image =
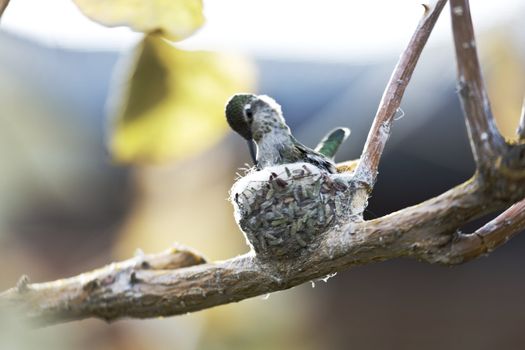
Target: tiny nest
{"type": "Point", "coordinates": [282, 209]}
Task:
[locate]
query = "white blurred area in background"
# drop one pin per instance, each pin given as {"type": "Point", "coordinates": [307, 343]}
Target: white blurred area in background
{"type": "Point", "coordinates": [328, 30]}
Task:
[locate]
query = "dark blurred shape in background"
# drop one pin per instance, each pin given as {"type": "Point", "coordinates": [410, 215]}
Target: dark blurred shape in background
{"type": "Point", "coordinates": [66, 208]}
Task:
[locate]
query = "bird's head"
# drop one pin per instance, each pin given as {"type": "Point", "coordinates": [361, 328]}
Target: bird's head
{"type": "Point", "coordinates": [252, 116]}
{"type": "Point", "coordinates": [236, 114]}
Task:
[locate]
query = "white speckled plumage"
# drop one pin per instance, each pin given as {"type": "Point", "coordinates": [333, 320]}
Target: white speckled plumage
{"type": "Point", "coordinates": [275, 143]}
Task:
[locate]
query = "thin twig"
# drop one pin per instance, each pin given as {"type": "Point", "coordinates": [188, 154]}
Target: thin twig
{"type": "Point", "coordinates": [521, 126]}
{"type": "Point", "coordinates": [491, 235]}
{"type": "Point", "coordinates": [485, 140]}
{"type": "Point", "coordinates": [380, 131]}
{"type": "Point", "coordinates": [3, 5]}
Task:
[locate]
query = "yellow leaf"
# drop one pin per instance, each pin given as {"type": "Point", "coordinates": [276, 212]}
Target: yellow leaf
{"type": "Point", "coordinates": [174, 19]}
{"type": "Point", "coordinates": [174, 104]}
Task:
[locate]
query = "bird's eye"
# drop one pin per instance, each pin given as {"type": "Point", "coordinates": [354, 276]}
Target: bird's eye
{"type": "Point", "coordinates": [248, 113]}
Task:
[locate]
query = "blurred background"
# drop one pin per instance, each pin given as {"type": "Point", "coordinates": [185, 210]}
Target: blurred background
{"type": "Point", "coordinates": [70, 203]}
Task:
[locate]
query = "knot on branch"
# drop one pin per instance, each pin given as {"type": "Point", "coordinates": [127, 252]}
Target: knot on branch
{"type": "Point", "coordinates": [282, 210]}
{"type": "Point", "coordinates": [22, 285]}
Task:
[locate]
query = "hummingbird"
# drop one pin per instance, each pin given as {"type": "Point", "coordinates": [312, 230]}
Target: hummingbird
{"type": "Point", "coordinates": [259, 120]}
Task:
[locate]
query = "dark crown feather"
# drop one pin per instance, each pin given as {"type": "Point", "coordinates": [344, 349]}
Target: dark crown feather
{"type": "Point", "coordinates": [235, 114]}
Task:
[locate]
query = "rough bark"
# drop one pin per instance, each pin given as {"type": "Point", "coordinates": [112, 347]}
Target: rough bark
{"type": "Point", "coordinates": [389, 105]}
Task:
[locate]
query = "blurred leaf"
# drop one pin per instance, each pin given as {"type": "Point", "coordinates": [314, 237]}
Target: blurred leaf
{"type": "Point", "coordinates": [505, 77]}
{"type": "Point", "coordinates": [174, 106]}
{"type": "Point", "coordinates": [174, 19]}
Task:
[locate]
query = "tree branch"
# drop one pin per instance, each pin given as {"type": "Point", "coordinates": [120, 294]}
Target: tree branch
{"type": "Point", "coordinates": [380, 131]}
{"type": "Point", "coordinates": [491, 235]}
{"type": "Point", "coordinates": [426, 231]}
{"type": "Point", "coordinates": [58, 296]}
{"type": "Point", "coordinates": [485, 140]}
{"type": "Point", "coordinates": [3, 5]}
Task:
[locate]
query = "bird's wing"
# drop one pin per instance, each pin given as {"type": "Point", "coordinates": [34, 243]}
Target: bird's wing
{"type": "Point", "coordinates": [315, 158]}
{"type": "Point", "coordinates": [331, 142]}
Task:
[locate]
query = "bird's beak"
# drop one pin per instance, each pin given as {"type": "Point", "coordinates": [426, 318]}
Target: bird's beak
{"type": "Point", "coordinates": [253, 151]}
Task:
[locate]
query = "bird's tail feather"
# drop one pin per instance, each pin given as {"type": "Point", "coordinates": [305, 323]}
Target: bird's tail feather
{"type": "Point", "coordinates": [331, 142]}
